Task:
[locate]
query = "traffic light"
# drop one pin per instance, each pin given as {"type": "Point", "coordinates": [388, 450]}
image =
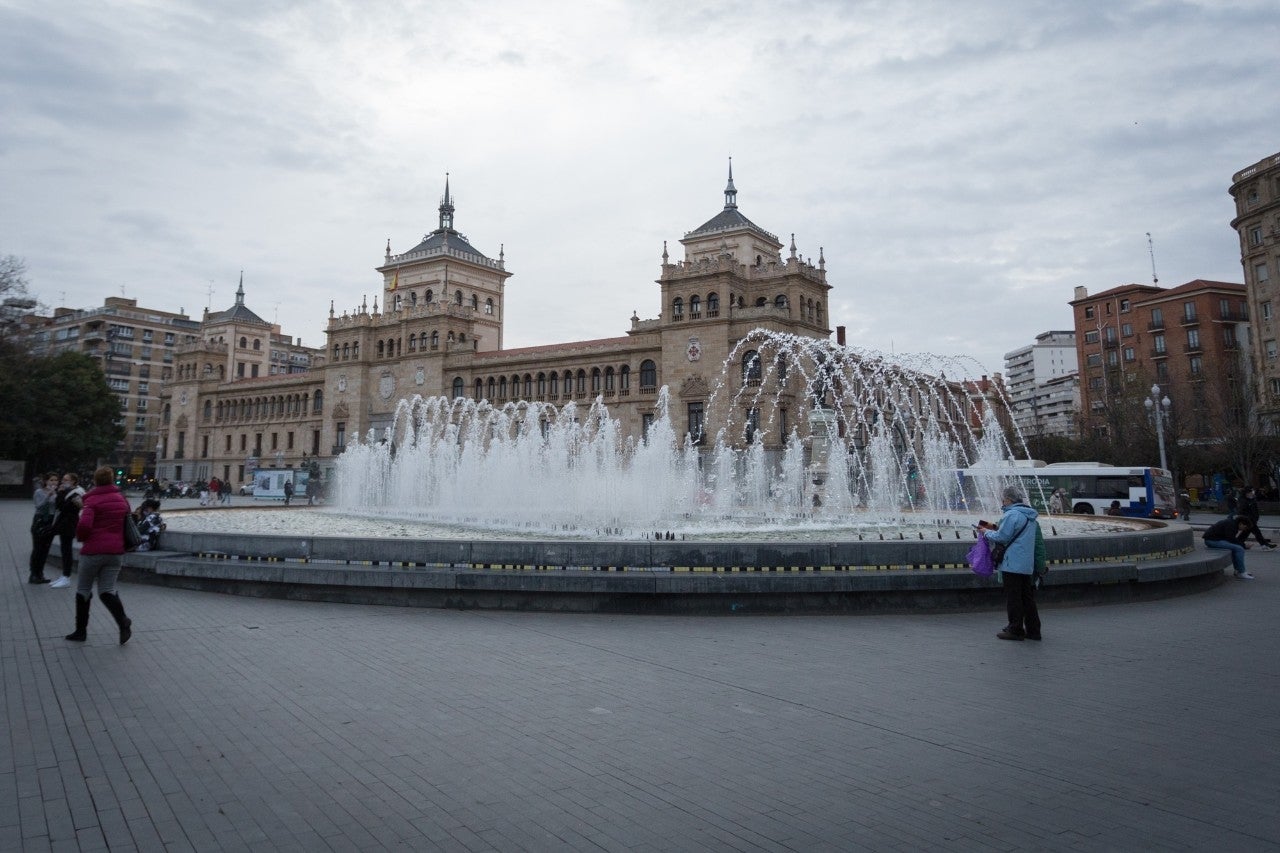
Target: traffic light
{"type": "Point", "coordinates": [119, 476]}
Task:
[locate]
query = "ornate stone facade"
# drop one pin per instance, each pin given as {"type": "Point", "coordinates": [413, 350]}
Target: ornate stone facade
{"type": "Point", "coordinates": [437, 330]}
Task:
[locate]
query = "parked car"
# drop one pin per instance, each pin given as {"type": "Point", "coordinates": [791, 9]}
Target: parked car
{"type": "Point", "coordinates": [247, 488]}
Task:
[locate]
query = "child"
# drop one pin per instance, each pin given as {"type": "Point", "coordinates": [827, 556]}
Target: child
{"type": "Point", "coordinates": [150, 524]}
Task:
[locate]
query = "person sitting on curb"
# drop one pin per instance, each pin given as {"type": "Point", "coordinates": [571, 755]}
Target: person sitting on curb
{"type": "Point", "coordinates": [1248, 508]}
{"type": "Point", "coordinates": [1229, 535]}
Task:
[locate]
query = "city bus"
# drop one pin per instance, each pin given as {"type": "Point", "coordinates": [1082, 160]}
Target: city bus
{"type": "Point", "coordinates": [1090, 487]}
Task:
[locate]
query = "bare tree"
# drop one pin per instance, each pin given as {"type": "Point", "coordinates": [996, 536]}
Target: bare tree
{"type": "Point", "coordinates": [15, 301]}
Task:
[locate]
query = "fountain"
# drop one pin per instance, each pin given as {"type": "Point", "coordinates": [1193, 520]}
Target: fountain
{"type": "Point", "coordinates": [874, 442]}
{"type": "Point", "coordinates": [531, 505]}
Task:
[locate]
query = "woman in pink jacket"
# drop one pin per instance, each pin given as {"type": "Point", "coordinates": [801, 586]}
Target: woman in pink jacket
{"type": "Point", "coordinates": [101, 529]}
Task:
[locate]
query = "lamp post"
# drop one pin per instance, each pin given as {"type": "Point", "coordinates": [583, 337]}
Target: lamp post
{"type": "Point", "coordinates": [1161, 408]}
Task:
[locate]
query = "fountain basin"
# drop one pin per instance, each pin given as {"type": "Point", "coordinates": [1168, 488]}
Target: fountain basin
{"type": "Point", "coordinates": [1150, 559]}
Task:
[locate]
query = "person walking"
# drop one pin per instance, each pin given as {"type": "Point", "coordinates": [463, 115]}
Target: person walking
{"type": "Point", "coordinates": [69, 500]}
{"type": "Point", "coordinates": [101, 529]}
{"type": "Point", "coordinates": [1248, 508]}
{"type": "Point", "coordinates": [1017, 532]}
{"type": "Point", "coordinates": [1057, 502]}
{"type": "Point", "coordinates": [46, 512]}
{"type": "Point", "coordinates": [1230, 535]}
{"type": "Point", "coordinates": [288, 491]}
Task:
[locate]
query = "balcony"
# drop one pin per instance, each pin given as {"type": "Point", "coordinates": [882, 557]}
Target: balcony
{"type": "Point", "coordinates": [1155, 325]}
{"type": "Point", "coordinates": [1193, 348]}
{"type": "Point", "coordinates": [1190, 321]}
{"type": "Point", "coordinates": [1159, 353]}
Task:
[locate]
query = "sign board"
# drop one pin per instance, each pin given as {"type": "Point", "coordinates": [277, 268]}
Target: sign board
{"type": "Point", "coordinates": [268, 483]}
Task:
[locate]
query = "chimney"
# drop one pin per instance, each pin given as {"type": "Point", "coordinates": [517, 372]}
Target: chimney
{"type": "Point", "coordinates": [1081, 292]}
{"type": "Point", "coordinates": [840, 335]}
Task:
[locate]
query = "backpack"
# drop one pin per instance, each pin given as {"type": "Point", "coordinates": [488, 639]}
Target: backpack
{"type": "Point", "coordinates": [1041, 559]}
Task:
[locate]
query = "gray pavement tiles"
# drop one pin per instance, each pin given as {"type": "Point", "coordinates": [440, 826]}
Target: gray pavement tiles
{"type": "Point", "coordinates": [246, 723]}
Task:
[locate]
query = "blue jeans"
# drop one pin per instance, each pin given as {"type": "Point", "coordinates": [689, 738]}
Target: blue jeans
{"type": "Point", "coordinates": [1237, 551]}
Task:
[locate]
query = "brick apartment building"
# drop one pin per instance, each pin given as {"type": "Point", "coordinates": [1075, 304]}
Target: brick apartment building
{"type": "Point", "coordinates": [1190, 340]}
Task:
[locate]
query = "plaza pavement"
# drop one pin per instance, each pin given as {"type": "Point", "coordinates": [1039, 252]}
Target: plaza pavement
{"type": "Point", "coordinates": [234, 723]}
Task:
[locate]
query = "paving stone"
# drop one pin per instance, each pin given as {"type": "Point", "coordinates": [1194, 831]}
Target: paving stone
{"type": "Point", "coordinates": [237, 723]}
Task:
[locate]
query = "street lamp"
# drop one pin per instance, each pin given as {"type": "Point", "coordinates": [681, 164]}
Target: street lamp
{"type": "Point", "coordinates": [1160, 408]}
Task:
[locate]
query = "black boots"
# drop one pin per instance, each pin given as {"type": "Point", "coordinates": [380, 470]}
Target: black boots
{"type": "Point", "coordinates": [82, 619]}
{"type": "Point", "coordinates": [37, 578]}
{"type": "Point", "coordinates": [111, 601]}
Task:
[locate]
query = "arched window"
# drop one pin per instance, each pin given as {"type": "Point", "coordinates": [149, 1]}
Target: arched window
{"type": "Point", "coordinates": [479, 391]}
{"type": "Point", "coordinates": [608, 379]}
{"type": "Point", "coordinates": [458, 385]}
{"type": "Point", "coordinates": [595, 380]}
{"type": "Point", "coordinates": [413, 298]}
{"type": "Point", "coordinates": [624, 379]}
{"type": "Point", "coordinates": [761, 301]}
{"type": "Point", "coordinates": [413, 343]}
{"type": "Point", "coordinates": [257, 344]}
{"type": "Point", "coordinates": [677, 308]}
{"type": "Point", "coordinates": [818, 308]}
{"type": "Point", "coordinates": [475, 302]}
{"type": "Point", "coordinates": [488, 306]}
{"type": "Point", "coordinates": [568, 383]}
{"type": "Point", "coordinates": [450, 339]}
{"type": "Point", "coordinates": [244, 342]}
{"type": "Point", "coordinates": [380, 349]}
{"type": "Point", "coordinates": [780, 301]}
{"type": "Point", "coordinates": [810, 309]}
{"type": "Point", "coordinates": [493, 386]}
{"type": "Point", "coordinates": [346, 351]}
{"type": "Point", "coordinates": [751, 367]}
{"type": "Point", "coordinates": [555, 384]}
{"type": "Point", "coordinates": [582, 382]}
{"type": "Point", "coordinates": [502, 387]}
{"type": "Point", "coordinates": [355, 350]}
{"type": "Point", "coordinates": [462, 337]}
{"type": "Point", "coordinates": [337, 351]}
{"type": "Point", "coordinates": [782, 367]}
{"type": "Point", "coordinates": [435, 340]}
{"type": "Point", "coordinates": [648, 375]}
{"type": "Point", "coordinates": [222, 371]}
{"type": "Point", "coordinates": [542, 384]}
{"type": "Point", "coordinates": [208, 409]}
{"type": "Point", "coordinates": [457, 297]}
{"type": "Point", "coordinates": [713, 305]}
{"type": "Point", "coordinates": [695, 307]}
{"type": "Point", "coordinates": [430, 296]}
{"type": "Point", "coordinates": [218, 411]}
{"type": "Point", "coordinates": [528, 386]}
{"type": "Point", "coordinates": [397, 303]}
{"type": "Point", "coordinates": [740, 302]}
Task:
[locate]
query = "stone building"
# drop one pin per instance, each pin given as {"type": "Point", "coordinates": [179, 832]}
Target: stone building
{"type": "Point", "coordinates": [1256, 191]}
{"type": "Point", "coordinates": [437, 330]}
{"type": "Point", "coordinates": [243, 395]}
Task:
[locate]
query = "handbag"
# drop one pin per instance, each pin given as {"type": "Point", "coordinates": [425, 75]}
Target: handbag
{"type": "Point", "coordinates": [132, 538]}
{"type": "Point", "coordinates": [997, 553]}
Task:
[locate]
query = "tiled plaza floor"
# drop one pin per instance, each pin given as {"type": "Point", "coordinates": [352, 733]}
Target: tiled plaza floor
{"type": "Point", "coordinates": [244, 724]}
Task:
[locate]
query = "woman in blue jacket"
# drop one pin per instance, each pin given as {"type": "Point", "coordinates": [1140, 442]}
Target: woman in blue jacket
{"type": "Point", "coordinates": [1017, 531]}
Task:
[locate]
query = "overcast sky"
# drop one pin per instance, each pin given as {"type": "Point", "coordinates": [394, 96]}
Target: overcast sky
{"type": "Point", "coordinates": [964, 165]}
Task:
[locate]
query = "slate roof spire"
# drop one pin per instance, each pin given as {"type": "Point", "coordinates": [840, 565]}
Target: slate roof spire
{"type": "Point", "coordinates": [730, 193]}
{"type": "Point", "coordinates": [446, 207]}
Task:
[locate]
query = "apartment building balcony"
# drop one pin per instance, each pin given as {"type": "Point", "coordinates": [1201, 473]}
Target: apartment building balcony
{"type": "Point", "coordinates": [1159, 353]}
{"type": "Point", "coordinates": [1155, 325]}
{"type": "Point", "coordinates": [1193, 348]}
{"type": "Point", "coordinates": [1189, 321]}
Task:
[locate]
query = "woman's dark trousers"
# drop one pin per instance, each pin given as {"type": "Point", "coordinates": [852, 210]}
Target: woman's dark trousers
{"type": "Point", "coordinates": [1020, 600]}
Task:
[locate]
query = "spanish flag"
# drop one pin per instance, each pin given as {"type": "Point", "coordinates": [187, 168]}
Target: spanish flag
{"type": "Point", "coordinates": [395, 280]}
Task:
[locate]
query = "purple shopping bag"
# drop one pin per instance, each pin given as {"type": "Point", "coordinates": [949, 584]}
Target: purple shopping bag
{"type": "Point", "coordinates": [979, 558]}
